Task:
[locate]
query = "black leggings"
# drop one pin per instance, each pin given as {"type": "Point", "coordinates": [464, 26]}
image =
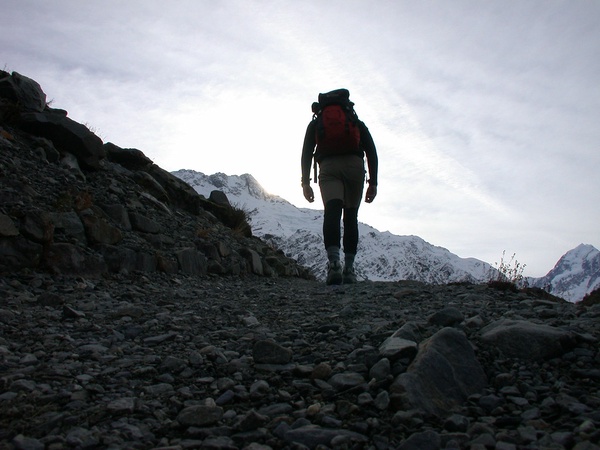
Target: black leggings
{"type": "Point", "coordinates": [331, 226]}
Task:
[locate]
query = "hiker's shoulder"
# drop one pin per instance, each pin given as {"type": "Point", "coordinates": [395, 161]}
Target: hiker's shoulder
{"type": "Point", "coordinates": [362, 125]}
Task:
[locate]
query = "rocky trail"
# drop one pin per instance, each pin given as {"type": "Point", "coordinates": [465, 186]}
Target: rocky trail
{"type": "Point", "coordinates": [181, 362]}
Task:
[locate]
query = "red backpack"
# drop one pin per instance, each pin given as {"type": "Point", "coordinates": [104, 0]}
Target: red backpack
{"type": "Point", "coordinates": [337, 130]}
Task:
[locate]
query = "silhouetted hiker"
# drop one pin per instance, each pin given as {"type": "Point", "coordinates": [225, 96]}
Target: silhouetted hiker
{"type": "Point", "coordinates": [341, 142]}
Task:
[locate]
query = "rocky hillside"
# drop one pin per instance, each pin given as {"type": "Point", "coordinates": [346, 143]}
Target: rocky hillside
{"type": "Point", "coordinates": [73, 204]}
{"type": "Point", "coordinates": [137, 314]}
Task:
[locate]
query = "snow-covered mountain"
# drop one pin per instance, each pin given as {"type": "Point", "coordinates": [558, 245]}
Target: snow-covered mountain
{"type": "Point", "coordinates": [382, 256]}
{"type": "Point", "coordinates": [575, 274]}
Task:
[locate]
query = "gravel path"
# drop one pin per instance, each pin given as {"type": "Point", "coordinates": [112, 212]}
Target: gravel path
{"type": "Point", "coordinates": [228, 363]}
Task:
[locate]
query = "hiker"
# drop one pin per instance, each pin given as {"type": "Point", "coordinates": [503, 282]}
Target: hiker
{"type": "Point", "coordinates": [341, 142]}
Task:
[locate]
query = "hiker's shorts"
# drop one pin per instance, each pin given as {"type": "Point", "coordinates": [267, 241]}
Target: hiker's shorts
{"type": "Point", "coordinates": [342, 177]}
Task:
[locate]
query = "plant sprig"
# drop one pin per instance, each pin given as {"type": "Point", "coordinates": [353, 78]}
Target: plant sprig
{"type": "Point", "coordinates": [508, 272]}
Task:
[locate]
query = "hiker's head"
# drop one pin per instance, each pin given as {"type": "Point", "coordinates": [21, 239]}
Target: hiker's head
{"type": "Point", "coordinates": [315, 107]}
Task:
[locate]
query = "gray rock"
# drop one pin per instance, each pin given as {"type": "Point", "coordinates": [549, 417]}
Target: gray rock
{"type": "Point", "coordinates": [26, 443]}
{"type": "Point", "coordinates": [23, 91]}
{"type": "Point", "coordinates": [66, 135]}
{"type": "Point", "coordinates": [443, 375]}
{"type": "Point", "coordinates": [200, 415]}
{"type": "Point", "coordinates": [394, 348]}
{"type": "Point", "coordinates": [98, 230]}
{"type": "Point", "coordinates": [269, 352]}
{"type": "Point", "coordinates": [447, 317]}
{"type": "Point", "coordinates": [7, 226]}
{"type": "Point", "coordinates": [141, 223]}
{"type": "Point", "coordinates": [381, 369]}
{"type": "Point", "coordinates": [312, 436]}
{"type": "Point", "coordinates": [346, 380]}
{"type": "Point", "coordinates": [425, 440]}
{"type": "Point", "coordinates": [191, 261]}
{"type": "Point", "coordinates": [527, 340]}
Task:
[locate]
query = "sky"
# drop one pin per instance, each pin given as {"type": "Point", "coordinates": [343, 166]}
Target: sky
{"type": "Point", "coordinates": [485, 113]}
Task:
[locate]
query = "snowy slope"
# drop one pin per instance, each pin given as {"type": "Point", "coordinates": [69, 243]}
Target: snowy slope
{"type": "Point", "coordinates": [382, 256]}
{"type": "Point", "coordinates": [575, 274]}
{"type": "Point", "coordinates": [298, 232]}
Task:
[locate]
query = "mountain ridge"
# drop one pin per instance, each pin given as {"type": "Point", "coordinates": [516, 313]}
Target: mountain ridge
{"type": "Point", "coordinates": [382, 256]}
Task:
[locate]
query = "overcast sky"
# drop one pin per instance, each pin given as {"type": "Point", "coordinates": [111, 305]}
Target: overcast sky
{"type": "Point", "coordinates": [486, 114]}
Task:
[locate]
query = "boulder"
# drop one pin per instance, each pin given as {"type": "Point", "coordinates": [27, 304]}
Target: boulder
{"type": "Point", "coordinates": [269, 352]}
{"type": "Point", "coordinates": [130, 158]}
{"type": "Point", "coordinates": [527, 340]}
{"type": "Point", "coordinates": [67, 135]}
{"type": "Point", "coordinates": [191, 261]}
{"type": "Point", "coordinates": [442, 376]}
{"type": "Point", "coordinates": [220, 198]}
{"type": "Point", "coordinates": [22, 91]}
{"type": "Point", "coordinates": [395, 348]}
{"type": "Point", "coordinates": [18, 253]}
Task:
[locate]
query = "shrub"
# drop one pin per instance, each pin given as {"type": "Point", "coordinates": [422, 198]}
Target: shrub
{"type": "Point", "coordinates": [507, 275]}
{"type": "Point", "coordinates": [236, 218]}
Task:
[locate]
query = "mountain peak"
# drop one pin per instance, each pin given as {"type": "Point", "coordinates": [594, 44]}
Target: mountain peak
{"type": "Point", "coordinates": [575, 274]}
{"type": "Point", "coordinates": [241, 188]}
{"type": "Point", "coordinates": [584, 249]}
{"type": "Point", "coordinates": [580, 256]}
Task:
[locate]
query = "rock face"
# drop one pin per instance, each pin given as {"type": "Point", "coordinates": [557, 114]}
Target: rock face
{"type": "Point", "coordinates": [135, 313]}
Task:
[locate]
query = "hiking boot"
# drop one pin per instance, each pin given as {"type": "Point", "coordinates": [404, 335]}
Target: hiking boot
{"type": "Point", "coordinates": [349, 276]}
{"type": "Point", "coordinates": [334, 273]}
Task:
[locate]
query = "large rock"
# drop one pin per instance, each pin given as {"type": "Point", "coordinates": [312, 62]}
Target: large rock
{"type": "Point", "coordinates": [200, 415]}
{"type": "Point", "coordinates": [37, 225]}
{"type": "Point", "coordinates": [22, 91]}
{"type": "Point", "coordinates": [67, 135]}
{"type": "Point", "coordinates": [254, 260]}
{"type": "Point", "coordinates": [527, 340]}
{"type": "Point", "coordinates": [443, 375]}
{"type": "Point", "coordinates": [70, 259]}
{"type": "Point", "coordinates": [313, 436]}
{"type": "Point", "coordinates": [18, 253]}
{"type": "Point", "coordinates": [98, 230]}
{"type": "Point", "coordinates": [191, 261]}
{"type": "Point", "coordinates": [394, 348]}
{"type": "Point", "coordinates": [130, 158]}
{"type": "Point", "coordinates": [269, 352]}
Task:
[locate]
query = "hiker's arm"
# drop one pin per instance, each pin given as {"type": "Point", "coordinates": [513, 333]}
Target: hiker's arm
{"type": "Point", "coordinates": [307, 152]}
{"type": "Point", "coordinates": [367, 144]}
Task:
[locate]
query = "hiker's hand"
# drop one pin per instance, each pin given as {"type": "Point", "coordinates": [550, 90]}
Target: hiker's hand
{"type": "Point", "coordinates": [371, 193]}
{"type": "Point", "coordinates": [308, 193]}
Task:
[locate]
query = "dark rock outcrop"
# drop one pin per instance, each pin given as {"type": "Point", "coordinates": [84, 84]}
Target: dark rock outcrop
{"type": "Point", "coordinates": [72, 204]}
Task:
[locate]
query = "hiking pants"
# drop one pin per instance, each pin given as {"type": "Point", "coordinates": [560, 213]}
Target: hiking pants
{"type": "Point", "coordinates": [341, 181]}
